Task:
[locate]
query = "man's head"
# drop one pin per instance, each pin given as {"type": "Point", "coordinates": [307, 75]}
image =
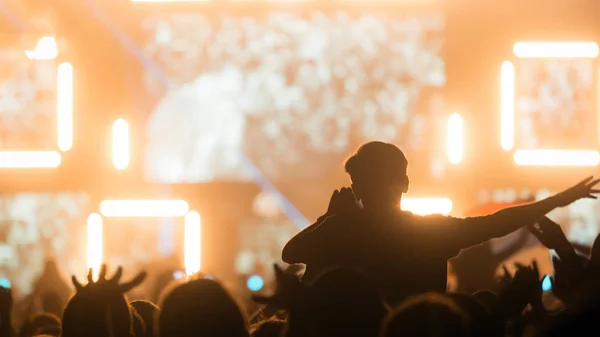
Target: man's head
{"type": "Point", "coordinates": [378, 174]}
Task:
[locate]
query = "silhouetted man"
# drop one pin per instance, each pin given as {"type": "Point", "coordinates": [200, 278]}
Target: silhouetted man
{"type": "Point", "coordinates": [404, 253]}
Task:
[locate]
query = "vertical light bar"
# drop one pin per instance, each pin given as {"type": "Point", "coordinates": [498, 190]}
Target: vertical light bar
{"type": "Point", "coordinates": [193, 243]}
{"type": "Point", "coordinates": [455, 138]}
{"type": "Point", "coordinates": [120, 144]}
{"type": "Point", "coordinates": [598, 105]}
{"type": "Point", "coordinates": [507, 105]}
{"type": "Point", "coordinates": [64, 106]}
{"type": "Point", "coordinates": [94, 243]}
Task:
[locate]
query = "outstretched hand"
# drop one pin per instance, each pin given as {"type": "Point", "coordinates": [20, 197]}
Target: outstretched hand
{"type": "Point", "coordinates": [584, 190]}
{"type": "Point", "coordinates": [550, 234]}
{"type": "Point", "coordinates": [342, 201]}
{"type": "Point", "coordinates": [113, 282]}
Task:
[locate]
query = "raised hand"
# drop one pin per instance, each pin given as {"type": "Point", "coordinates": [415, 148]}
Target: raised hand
{"type": "Point", "coordinates": [342, 201]}
{"type": "Point", "coordinates": [113, 282]}
{"type": "Point", "coordinates": [550, 234]}
{"type": "Point", "coordinates": [584, 190]}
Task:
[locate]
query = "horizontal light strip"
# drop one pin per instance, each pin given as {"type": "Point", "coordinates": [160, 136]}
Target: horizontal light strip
{"type": "Point", "coordinates": [556, 49]}
{"type": "Point", "coordinates": [29, 159]}
{"type": "Point", "coordinates": [557, 157]}
{"type": "Point", "coordinates": [427, 206]}
{"type": "Point", "coordinates": [144, 208]}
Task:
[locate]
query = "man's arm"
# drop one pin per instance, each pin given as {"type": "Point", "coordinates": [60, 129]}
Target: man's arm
{"type": "Point", "coordinates": [295, 250]}
{"type": "Point", "coordinates": [473, 231]}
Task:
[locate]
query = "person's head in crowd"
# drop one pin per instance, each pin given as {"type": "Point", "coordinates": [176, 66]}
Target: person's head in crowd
{"type": "Point", "coordinates": [427, 315]}
{"type": "Point", "coordinates": [201, 307]}
{"type": "Point", "coordinates": [100, 308]}
{"type": "Point", "coordinates": [269, 328]}
{"type": "Point", "coordinates": [379, 175]}
{"type": "Point", "coordinates": [345, 302]}
{"type": "Point", "coordinates": [148, 311]}
{"type": "Point", "coordinates": [41, 324]}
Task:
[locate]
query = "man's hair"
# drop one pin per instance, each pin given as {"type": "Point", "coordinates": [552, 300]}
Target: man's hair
{"type": "Point", "coordinates": [374, 158]}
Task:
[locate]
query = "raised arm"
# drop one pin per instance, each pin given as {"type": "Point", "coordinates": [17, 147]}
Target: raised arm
{"type": "Point", "coordinates": [474, 231]}
{"type": "Point", "coordinates": [303, 243]}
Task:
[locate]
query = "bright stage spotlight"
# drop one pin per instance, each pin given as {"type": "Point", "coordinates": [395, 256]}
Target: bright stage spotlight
{"type": "Point", "coordinates": [542, 157]}
{"type": "Point", "coordinates": [144, 208]}
{"type": "Point", "coordinates": [555, 49]}
{"type": "Point", "coordinates": [94, 243]}
{"type": "Point", "coordinates": [192, 236]}
{"type": "Point", "coordinates": [120, 144]}
{"type": "Point", "coordinates": [64, 118]}
{"type": "Point", "coordinates": [46, 49]}
{"type": "Point", "coordinates": [455, 138]}
{"type": "Point", "coordinates": [193, 243]}
{"type": "Point", "coordinates": [255, 283]}
{"type": "Point", "coordinates": [427, 206]}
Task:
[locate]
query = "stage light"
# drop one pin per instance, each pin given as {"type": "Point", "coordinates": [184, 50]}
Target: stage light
{"type": "Point", "coordinates": [120, 144]}
{"type": "Point", "coordinates": [94, 243]}
{"type": "Point", "coordinates": [64, 106]}
{"type": "Point", "coordinates": [557, 157]}
{"type": "Point", "coordinates": [427, 206]}
{"type": "Point", "coordinates": [455, 138]}
{"type": "Point", "coordinates": [29, 159]}
{"type": "Point", "coordinates": [144, 208]}
{"type": "Point", "coordinates": [46, 49]}
{"type": "Point", "coordinates": [255, 283]}
{"type": "Point", "coordinates": [555, 49]}
{"type": "Point", "coordinates": [507, 105]}
{"type": "Point", "coordinates": [193, 243]}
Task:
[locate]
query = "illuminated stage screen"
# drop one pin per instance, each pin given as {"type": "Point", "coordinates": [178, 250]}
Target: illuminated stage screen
{"type": "Point", "coordinates": [291, 92]}
{"type": "Point", "coordinates": [40, 226]}
{"type": "Point", "coordinates": [143, 244]}
{"type": "Point", "coordinates": [27, 102]}
{"type": "Point", "coordinates": [555, 104]}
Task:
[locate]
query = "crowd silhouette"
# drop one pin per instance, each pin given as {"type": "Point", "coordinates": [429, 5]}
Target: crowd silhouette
{"type": "Point", "coordinates": [372, 270]}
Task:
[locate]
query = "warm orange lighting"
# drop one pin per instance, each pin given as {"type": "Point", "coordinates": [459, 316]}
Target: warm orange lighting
{"type": "Point", "coordinates": [455, 138]}
{"type": "Point", "coordinates": [193, 243]}
{"type": "Point", "coordinates": [556, 50]}
{"type": "Point", "coordinates": [557, 157]}
{"type": "Point", "coordinates": [167, 1]}
{"type": "Point", "coordinates": [427, 206]}
{"type": "Point", "coordinates": [120, 144]}
{"type": "Point", "coordinates": [507, 105]}
{"type": "Point", "coordinates": [46, 49]}
{"type": "Point", "coordinates": [64, 106]}
{"type": "Point", "coordinates": [144, 208]}
{"type": "Point", "coordinates": [94, 243]}
{"type": "Point", "coordinates": [29, 159]}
